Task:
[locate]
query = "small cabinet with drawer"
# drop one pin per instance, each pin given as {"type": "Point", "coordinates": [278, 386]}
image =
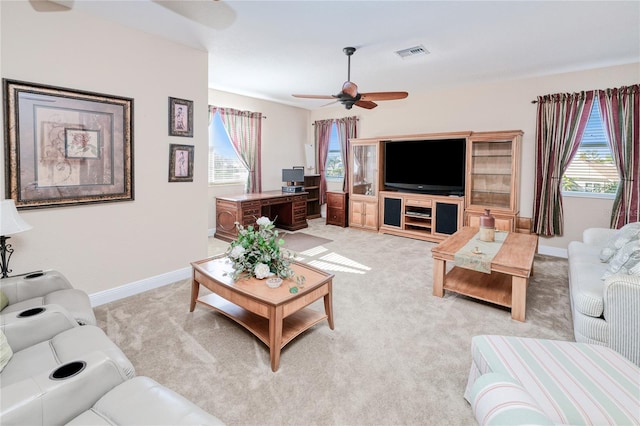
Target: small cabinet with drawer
{"type": "Point", "coordinates": [337, 208]}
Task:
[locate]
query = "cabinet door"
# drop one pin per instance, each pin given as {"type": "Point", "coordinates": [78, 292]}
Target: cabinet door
{"type": "Point", "coordinates": [364, 214]}
{"type": "Point", "coordinates": [503, 223]}
{"type": "Point", "coordinates": [364, 170]}
{"type": "Point", "coordinates": [371, 215]}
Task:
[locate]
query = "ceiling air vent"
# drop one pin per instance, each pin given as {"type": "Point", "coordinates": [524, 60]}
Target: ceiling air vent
{"type": "Point", "coordinates": [412, 51]}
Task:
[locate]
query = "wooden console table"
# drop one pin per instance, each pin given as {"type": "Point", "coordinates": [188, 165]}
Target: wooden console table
{"type": "Point", "coordinates": [289, 210]}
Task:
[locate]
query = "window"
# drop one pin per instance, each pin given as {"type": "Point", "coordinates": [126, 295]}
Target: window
{"type": "Point", "coordinates": [592, 170]}
{"type": "Point", "coordinates": [224, 165]}
{"type": "Point", "coordinates": [335, 166]}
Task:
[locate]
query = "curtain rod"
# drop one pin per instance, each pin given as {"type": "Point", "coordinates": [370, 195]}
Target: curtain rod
{"type": "Point", "coordinates": [313, 124]}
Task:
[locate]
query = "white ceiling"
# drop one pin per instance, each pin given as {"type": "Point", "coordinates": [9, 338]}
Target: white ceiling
{"type": "Point", "coordinates": [272, 49]}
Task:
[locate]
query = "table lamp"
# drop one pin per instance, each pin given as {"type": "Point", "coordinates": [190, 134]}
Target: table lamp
{"type": "Point", "coordinates": [10, 223]}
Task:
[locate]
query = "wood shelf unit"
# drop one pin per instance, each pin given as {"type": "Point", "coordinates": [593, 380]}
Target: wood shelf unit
{"type": "Point", "coordinates": [493, 178]}
{"type": "Point", "coordinates": [312, 187]}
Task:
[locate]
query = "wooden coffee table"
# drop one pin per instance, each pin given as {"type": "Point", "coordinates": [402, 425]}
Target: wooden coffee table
{"type": "Point", "coordinates": [506, 285]}
{"type": "Point", "coordinates": [275, 316]}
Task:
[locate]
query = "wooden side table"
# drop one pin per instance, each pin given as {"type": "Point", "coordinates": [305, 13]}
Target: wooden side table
{"type": "Point", "coordinates": [337, 208]}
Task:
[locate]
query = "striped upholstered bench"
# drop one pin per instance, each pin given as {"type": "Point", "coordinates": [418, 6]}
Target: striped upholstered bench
{"type": "Point", "coordinates": [515, 381]}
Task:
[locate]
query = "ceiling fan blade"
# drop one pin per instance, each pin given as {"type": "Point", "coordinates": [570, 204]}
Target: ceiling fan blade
{"type": "Point", "coordinates": [51, 5]}
{"type": "Point", "coordinates": [330, 103]}
{"type": "Point", "coordinates": [383, 96]}
{"type": "Point", "coordinates": [314, 96]}
{"type": "Point", "coordinates": [366, 104]}
{"type": "Point", "coordinates": [213, 14]}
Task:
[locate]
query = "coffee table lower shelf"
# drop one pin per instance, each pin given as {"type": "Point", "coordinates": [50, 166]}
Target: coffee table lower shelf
{"type": "Point", "coordinates": [292, 326]}
{"type": "Point", "coordinates": [494, 287]}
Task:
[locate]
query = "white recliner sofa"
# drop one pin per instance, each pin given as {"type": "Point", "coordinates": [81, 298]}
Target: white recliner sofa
{"type": "Point", "coordinates": [55, 371]}
{"type": "Point", "coordinates": [604, 288]}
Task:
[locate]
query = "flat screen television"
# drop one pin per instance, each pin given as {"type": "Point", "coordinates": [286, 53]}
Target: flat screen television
{"type": "Point", "coordinates": [435, 166]}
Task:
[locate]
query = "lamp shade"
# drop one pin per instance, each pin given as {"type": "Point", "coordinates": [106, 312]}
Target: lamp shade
{"type": "Point", "coordinates": [10, 220]}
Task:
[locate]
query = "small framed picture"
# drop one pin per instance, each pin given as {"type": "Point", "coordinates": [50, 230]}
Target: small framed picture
{"type": "Point", "coordinates": [180, 117]}
{"type": "Point", "coordinates": [180, 163]}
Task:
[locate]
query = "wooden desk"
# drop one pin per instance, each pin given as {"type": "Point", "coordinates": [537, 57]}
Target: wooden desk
{"type": "Point", "coordinates": [289, 210]}
{"type": "Point", "coordinates": [274, 315]}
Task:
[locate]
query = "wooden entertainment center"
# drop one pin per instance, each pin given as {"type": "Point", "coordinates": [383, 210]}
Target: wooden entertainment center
{"type": "Point", "coordinates": [492, 181]}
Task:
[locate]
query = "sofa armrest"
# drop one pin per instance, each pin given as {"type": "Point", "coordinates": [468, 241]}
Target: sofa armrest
{"type": "Point", "coordinates": [35, 325]}
{"type": "Point", "coordinates": [41, 399]}
{"type": "Point", "coordinates": [37, 284]}
{"type": "Point", "coordinates": [498, 399]}
{"type": "Point", "coordinates": [621, 311]}
{"type": "Point", "coordinates": [597, 236]}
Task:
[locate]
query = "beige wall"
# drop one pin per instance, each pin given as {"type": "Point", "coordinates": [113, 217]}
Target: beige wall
{"type": "Point", "coordinates": [102, 246]}
{"type": "Point", "coordinates": [503, 105]}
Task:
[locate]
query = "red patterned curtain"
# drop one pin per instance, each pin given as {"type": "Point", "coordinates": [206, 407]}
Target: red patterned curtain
{"type": "Point", "coordinates": [322, 136]}
{"type": "Point", "coordinates": [621, 115]}
{"type": "Point", "coordinates": [561, 119]}
{"type": "Point", "coordinates": [245, 132]}
{"type": "Point", "coordinates": [347, 130]}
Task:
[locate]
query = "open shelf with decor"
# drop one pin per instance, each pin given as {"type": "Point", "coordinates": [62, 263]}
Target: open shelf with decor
{"type": "Point", "coordinates": [493, 177]}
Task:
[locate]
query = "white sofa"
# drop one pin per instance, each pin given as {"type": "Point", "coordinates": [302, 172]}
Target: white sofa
{"type": "Point", "coordinates": [53, 370]}
{"type": "Point", "coordinates": [604, 286]}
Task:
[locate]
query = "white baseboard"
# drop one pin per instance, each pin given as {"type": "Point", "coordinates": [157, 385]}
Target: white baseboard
{"type": "Point", "coordinates": [126, 290]}
{"type": "Point", "coordinates": [553, 251]}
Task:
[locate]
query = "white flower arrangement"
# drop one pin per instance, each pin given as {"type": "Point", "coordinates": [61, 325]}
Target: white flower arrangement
{"type": "Point", "coordinates": [258, 253]}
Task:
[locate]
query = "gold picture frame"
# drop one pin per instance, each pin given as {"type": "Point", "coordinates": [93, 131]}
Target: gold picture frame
{"type": "Point", "coordinates": [66, 147]}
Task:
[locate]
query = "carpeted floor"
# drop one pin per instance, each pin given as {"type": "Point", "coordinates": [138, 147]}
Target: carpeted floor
{"type": "Point", "coordinates": [300, 241]}
{"type": "Point", "coordinates": [397, 356]}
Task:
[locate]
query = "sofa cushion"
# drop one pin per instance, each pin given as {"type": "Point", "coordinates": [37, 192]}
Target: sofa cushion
{"type": "Point", "coordinates": [70, 345]}
{"type": "Point", "coordinates": [143, 401]}
{"type": "Point", "coordinates": [629, 232]}
{"type": "Point", "coordinates": [75, 301]}
{"type": "Point", "coordinates": [625, 261]}
{"type": "Point", "coordinates": [586, 286]}
{"type": "Point", "coordinates": [5, 351]}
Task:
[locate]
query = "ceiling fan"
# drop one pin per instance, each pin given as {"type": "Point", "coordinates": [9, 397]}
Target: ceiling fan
{"type": "Point", "coordinates": [216, 14]}
{"type": "Point", "coordinates": [349, 95]}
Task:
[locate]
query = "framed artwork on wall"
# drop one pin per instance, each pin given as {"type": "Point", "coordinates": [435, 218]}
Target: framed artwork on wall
{"type": "Point", "coordinates": [180, 163]}
{"type": "Point", "coordinates": [66, 147]}
{"type": "Point", "coordinates": [180, 117]}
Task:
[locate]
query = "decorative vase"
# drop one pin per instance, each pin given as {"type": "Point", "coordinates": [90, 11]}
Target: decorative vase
{"type": "Point", "coordinates": [487, 226]}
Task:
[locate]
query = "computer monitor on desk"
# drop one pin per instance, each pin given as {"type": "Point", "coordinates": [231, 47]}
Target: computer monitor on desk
{"type": "Point", "coordinates": [293, 177]}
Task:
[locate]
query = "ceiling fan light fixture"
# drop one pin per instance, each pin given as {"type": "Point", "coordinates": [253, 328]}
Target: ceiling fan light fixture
{"type": "Point", "coordinates": [412, 51]}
